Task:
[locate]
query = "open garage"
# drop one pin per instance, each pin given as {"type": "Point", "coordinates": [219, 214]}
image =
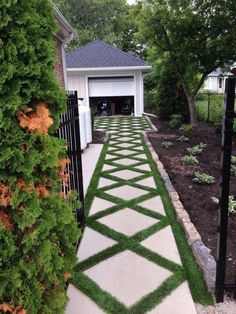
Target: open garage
{"type": "Point", "coordinates": [109, 80]}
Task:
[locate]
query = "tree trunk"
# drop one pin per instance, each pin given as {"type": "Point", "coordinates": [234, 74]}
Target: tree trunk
{"type": "Point", "coordinates": [192, 111]}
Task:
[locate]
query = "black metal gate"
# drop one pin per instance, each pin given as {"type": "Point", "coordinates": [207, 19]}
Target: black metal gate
{"type": "Point", "coordinates": [227, 134]}
{"type": "Point", "coordinates": [70, 131]}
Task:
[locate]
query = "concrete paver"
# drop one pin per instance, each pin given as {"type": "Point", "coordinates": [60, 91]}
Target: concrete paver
{"type": "Point", "coordinates": [149, 182]}
{"type": "Point", "coordinates": [128, 276]}
{"type": "Point", "coordinates": [127, 221]}
{"type": "Point", "coordinates": [93, 242]}
{"type": "Point", "coordinates": [99, 204]}
{"type": "Point", "coordinates": [158, 241]}
{"type": "Point", "coordinates": [178, 302]}
{"type": "Point", "coordinates": [126, 174]}
{"type": "Point", "coordinates": [79, 303]}
{"type": "Point", "coordinates": [126, 192]}
{"type": "Point", "coordinates": [105, 182]}
{"type": "Point", "coordinates": [154, 203]}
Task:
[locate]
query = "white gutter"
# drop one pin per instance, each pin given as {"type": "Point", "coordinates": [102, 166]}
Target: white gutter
{"type": "Point", "coordinates": [143, 68]}
{"type": "Point", "coordinates": [63, 21]}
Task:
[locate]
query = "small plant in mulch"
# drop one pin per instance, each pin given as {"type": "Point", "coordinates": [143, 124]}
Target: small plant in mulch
{"type": "Point", "coordinates": [166, 144]}
{"type": "Point", "coordinates": [175, 121]}
{"type": "Point", "coordinates": [186, 130]}
{"type": "Point", "coordinates": [233, 165]}
{"type": "Point", "coordinates": [203, 178]}
{"type": "Point", "coordinates": [183, 138]}
{"type": "Point", "coordinates": [232, 203]}
{"type": "Point", "coordinates": [197, 149]}
{"type": "Point", "coordinates": [189, 160]}
{"type": "Point", "coordinates": [233, 170]}
{"type": "Point", "coordinates": [233, 160]}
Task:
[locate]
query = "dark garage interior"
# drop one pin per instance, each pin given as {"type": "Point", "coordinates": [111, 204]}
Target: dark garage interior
{"type": "Point", "coordinates": [107, 106]}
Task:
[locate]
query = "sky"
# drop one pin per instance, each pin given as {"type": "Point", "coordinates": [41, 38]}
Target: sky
{"type": "Point", "coordinates": [130, 1]}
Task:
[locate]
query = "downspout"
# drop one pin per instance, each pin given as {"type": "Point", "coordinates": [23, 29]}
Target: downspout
{"type": "Point", "coordinates": [145, 113]}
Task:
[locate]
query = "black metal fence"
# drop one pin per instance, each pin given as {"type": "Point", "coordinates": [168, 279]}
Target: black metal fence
{"type": "Point", "coordinates": [227, 136]}
{"type": "Point", "coordinates": [210, 106]}
{"type": "Point", "coordinates": [69, 130]}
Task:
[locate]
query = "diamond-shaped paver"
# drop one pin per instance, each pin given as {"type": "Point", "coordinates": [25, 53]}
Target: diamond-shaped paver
{"type": "Point", "coordinates": [109, 157]}
{"type": "Point", "coordinates": [125, 152]}
{"type": "Point", "coordinates": [126, 138]}
{"type": "Point", "coordinates": [80, 303]}
{"type": "Point", "coordinates": [124, 145]}
{"type": "Point", "coordinates": [107, 167]}
{"type": "Point", "coordinates": [128, 221]}
{"type": "Point", "coordinates": [105, 182]}
{"type": "Point", "coordinates": [137, 141]}
{"type": "Point", "coordinates": [126, 133]}
{"type": "Point", "coordinates": [126, 192]}
{"type": "Point", "coordinates": [128, 276]}
{"type": "Point", "coordinates": [179, 301]}
{"type": "Point", "coordinates": [157, 243]}
{"type": "Point", "coordinates": [139, 148]}
{"type": "Point", "coordinates": [144, 167]}
{"type": "Point", "coordinates": [125, 161]}
{"type": "Point", "coordinates": [126, 174]}
{"type": "Point", "coordinates": [149, 182]}
{"type": "Point", "coordinates": [93, 242]}
{"type": "Point", "coordinates": [154, 204]}
{"type": "Point", "coordinates": [142, 156]}
{"type": "Point", "coordinates": [99, 204]}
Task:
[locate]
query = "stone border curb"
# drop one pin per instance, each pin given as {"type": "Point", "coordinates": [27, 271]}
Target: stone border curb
{"type": "Point", "coordinates": [151, 124]}
{"type": "Point", "coordinates": [200, 251]}
{"type": "Point", "coordinates": [106, 137]}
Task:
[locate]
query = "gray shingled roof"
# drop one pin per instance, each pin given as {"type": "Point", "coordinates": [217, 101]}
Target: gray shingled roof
{"type": "Point", "coordinates": [97, 54]}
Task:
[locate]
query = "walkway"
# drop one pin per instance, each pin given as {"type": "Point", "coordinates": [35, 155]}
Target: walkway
{"type": "Point", "coordinates": [129, 261]}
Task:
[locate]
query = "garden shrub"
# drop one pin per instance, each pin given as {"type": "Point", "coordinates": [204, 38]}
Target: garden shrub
{"type": "Point", "coordinates": [37, 226]}
{"type": "Point", "coordinates": [186, 130]}
{"type": "Point", "coordinates": [175, 121]}
{"type": "Point", "coordinates": [164, 92]}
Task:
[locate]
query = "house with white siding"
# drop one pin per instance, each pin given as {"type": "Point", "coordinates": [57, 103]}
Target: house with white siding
{"type": "Point", "coordinates": [102, 73]}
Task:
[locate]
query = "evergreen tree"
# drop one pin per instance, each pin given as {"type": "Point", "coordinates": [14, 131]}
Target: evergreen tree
{"type": "Point", "coordinates": [37, 226]}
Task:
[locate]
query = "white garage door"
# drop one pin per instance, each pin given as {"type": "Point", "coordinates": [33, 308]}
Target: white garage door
{"type": "Point", "coordinates": [115, 86]}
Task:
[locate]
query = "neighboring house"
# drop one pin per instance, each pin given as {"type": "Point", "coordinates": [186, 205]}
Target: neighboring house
{"type": "Point", "coordinates": [215, 81]}
{"type": "Point", "coordinates": [102, 73]}
{"type": "Point", "coordinates": [64, 35]}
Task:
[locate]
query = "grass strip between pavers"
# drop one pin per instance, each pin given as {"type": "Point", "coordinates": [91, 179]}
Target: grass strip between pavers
{"type": "Point", "coordinates": [189, 271]}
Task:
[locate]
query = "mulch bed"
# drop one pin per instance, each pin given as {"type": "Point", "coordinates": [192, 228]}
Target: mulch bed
{"type": "Point", "coordinates": [196, 197]}
{"type": "Point", "coordinates": [98, 137]}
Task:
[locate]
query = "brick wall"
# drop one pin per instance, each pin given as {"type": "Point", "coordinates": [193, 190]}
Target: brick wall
{"type": "Point", "coordinates": [59, 62]}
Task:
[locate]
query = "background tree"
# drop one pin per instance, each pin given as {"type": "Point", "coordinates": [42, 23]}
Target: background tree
{"type": "Point", "coordinates": [37, 226]}
{"type": "Point", "coordinates": [197, 37]}
{"type": "Point", "coordinates": [163, 91]}
{"type": "Point", "coordinates": [110, 21]}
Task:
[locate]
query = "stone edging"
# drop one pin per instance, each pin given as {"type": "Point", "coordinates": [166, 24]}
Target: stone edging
{"type": "Point", "coordinates": [106, 137]}
{"type": "Point", "coordinates": [200, 251]}
{"type": "Point", "coordinates": [151, 124]}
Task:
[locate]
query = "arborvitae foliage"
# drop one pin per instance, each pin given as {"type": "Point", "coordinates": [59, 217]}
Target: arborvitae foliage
{"type": "Point", "coordinates": [37, 227]}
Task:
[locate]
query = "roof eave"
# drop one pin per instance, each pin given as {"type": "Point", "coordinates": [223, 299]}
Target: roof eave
{"type": "Point", "coordinates": [144, 68]}
{"type": "Point", "coordinates": [69, 32]}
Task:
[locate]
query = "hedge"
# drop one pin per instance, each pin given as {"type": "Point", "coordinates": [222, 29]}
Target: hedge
{"type": "Point", "coordinates": [37, 226]}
